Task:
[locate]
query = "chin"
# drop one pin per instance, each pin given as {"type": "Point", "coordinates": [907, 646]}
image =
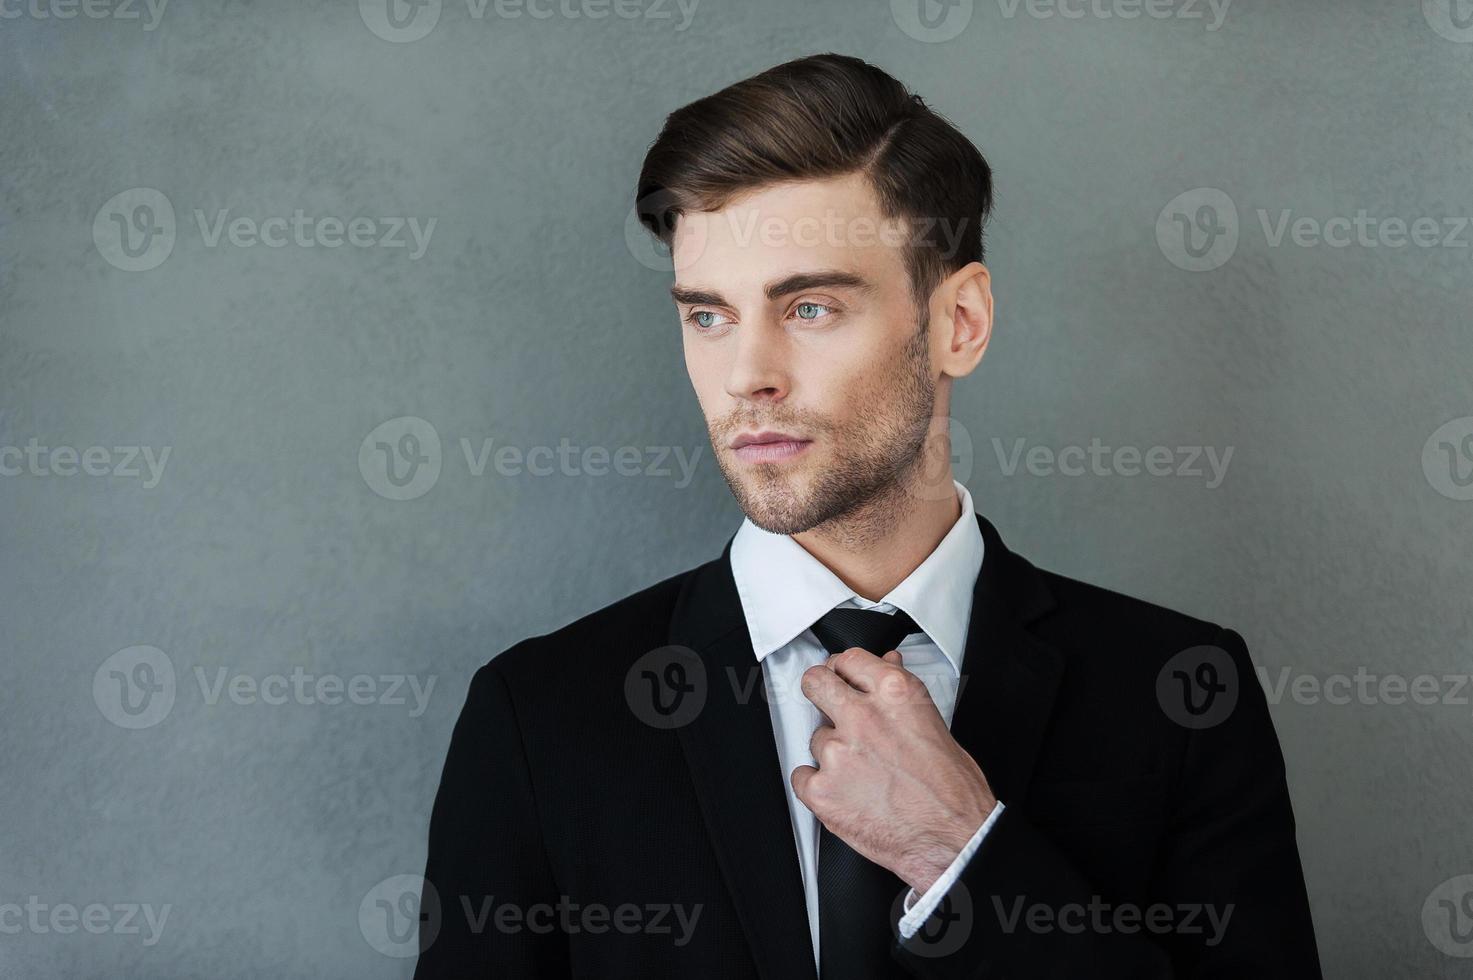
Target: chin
{"type": "Point", "coordinates": [787, 504]}
{"type": "Point", "coordinates": [779, 521]}
{"type": "Point", "coordinates": [774, 502]}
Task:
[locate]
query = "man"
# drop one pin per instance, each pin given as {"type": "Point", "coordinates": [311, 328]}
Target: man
{"type": "Point", "coordinates": [868, 740]}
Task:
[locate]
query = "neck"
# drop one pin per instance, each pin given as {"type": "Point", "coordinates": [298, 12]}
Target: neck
{"type": "Point", "coordinates": [874, 547]}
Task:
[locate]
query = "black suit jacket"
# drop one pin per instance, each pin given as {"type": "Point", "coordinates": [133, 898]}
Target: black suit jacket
{"type": "Point", "coordinates": [574, 819]}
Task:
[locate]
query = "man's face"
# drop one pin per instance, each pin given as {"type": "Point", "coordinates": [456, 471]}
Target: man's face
{"type": "Point", "coordinates": [806, 349]}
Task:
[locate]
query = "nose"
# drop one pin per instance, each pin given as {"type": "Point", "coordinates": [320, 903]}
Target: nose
{"type": "Point", "coordinates": [759, 370]}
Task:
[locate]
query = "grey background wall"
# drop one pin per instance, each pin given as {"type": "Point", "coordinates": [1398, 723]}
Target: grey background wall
{"type": "Point", "coordinates": [174, 627]}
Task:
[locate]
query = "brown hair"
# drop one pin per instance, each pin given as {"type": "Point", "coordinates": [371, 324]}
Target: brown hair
{"type": "Point", "coordinates": [826, 115]}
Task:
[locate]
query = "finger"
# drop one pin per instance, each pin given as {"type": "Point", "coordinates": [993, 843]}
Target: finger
{"type": "Point", "coordinates": [861, 669]}
{"type": "Point", "coordinates": [800, 779]}
{"type": "Point", "coordinates": [894, 657]}
{"type": "Point", "coordinates": [822, 735]}
{"type": "Point", "coordinates": [829, 692]}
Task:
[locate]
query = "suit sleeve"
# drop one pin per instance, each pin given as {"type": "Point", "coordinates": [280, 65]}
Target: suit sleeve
{"type": "Point", "coordinates": [1228, 847]}
{"type": "Point", "coordinates": [487, 864]}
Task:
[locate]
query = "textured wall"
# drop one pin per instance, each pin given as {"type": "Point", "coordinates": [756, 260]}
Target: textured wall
{"type": "Point", "coordinates": [268, 558]}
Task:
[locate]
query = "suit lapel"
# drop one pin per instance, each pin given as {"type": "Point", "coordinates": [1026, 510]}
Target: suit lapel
{"type": "Point", "coordinates": [1009, 675]}
{"type": "Point", "coordinates": [732, 756]}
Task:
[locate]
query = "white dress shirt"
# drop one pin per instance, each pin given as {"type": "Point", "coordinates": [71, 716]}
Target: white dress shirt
{"type": "Point", "coordinates": [784, 590]}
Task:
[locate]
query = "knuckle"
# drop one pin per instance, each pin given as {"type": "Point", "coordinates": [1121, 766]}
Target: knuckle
{"type": "Point", "coordinates": [891, 688]}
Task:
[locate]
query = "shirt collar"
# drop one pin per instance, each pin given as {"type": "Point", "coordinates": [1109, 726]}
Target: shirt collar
{"type": "Point", "coordinates": [784, 589]}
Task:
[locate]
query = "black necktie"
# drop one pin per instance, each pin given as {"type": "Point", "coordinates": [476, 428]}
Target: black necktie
{"type": "Point", "coordinates": [855, 895]}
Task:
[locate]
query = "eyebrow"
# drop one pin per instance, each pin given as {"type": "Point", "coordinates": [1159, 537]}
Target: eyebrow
{"type": "Point", "coordinates": [796, 283]}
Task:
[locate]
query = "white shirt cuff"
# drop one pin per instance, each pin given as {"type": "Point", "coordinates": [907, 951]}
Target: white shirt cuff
{"type": "Point", "coordinates": [918, 911]}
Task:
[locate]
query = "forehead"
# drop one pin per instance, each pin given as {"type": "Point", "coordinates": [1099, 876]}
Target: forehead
{"type": "Point", "coordinates": [778, 230]}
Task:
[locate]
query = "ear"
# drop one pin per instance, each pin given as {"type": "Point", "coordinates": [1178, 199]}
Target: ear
{"type": "Point", "coordinates": [961, 319]}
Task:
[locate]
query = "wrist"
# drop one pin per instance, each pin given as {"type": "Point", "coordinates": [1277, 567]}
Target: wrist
{"type": "Point", "coordinates": [937, 848]}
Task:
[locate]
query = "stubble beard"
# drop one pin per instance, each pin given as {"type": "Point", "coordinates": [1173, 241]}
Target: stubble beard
{"type": "Point", "coordinates": [863, 489]}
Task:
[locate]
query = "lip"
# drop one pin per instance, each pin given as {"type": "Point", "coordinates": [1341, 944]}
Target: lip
{"type": "Point", "coordinates": [766, 446]}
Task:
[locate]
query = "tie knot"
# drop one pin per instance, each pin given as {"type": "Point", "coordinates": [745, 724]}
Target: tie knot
{"type": "Point", "coordinates": [877, 632]}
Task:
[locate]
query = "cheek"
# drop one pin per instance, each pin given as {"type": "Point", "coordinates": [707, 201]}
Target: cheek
{"type": "Point", "coordinates": [838, 384]}
{"type": "Point", "coordinates": [704, 368]}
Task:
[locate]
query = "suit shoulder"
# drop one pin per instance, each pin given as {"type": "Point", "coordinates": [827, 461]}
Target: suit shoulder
{"type": "Point", "coordinates": [1096, 600]}
{"type": "Point", "coordinates": [1128, 628]}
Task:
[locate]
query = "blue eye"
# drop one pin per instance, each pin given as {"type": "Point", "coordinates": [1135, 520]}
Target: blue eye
{"type": "Point", "coordinates": [703, 319]}
{"type": "Point", "coordinates": [810, 311]}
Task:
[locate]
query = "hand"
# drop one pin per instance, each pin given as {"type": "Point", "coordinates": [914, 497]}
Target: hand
{"type": "Point", "coordinates": [891, 782]}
